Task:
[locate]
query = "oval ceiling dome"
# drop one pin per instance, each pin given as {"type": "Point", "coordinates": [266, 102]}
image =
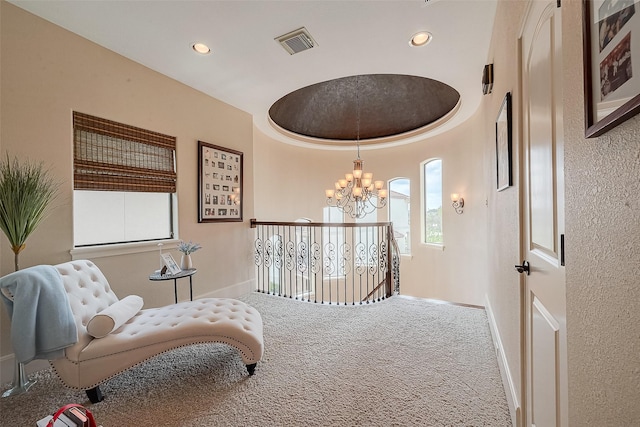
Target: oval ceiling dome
{"type": "Point", "coordinates": [364, 107]}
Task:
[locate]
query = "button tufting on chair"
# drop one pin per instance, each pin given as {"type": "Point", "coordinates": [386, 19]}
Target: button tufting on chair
{"type": "Point", "coordinates": [150, 332]}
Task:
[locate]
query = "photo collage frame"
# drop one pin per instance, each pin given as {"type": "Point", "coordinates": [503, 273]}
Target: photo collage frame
{"type": "Point", "coordinates": [220, 183]}
{"type": "Point", "coordinates": [612, 63]}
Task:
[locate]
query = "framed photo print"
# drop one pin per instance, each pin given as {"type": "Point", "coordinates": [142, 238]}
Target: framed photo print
{"type": "Point", "coordinates": [170, 263]}
{"type": "Point", "coordinates": [503, 144]}
{"type": "Point", "coordinates": [219, 183]}
{"type": "Point", "coordinates": [611, 50]}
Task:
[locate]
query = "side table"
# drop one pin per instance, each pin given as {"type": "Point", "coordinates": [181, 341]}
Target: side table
{"type": "Point", "coordinates": [184, 273]}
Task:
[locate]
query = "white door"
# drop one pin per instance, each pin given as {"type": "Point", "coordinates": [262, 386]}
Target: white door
{"type": "Point", "coordinates": [545, 349]}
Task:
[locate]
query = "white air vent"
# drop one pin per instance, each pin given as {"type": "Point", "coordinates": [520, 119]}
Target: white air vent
{"type": "Point", "coordinates": [296, 41]}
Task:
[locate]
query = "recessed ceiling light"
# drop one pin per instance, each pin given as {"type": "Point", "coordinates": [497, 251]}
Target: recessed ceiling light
{"type": "Point", "coordinates": [201, 48]}
{"type": "Point", "coordinates": [420, 39]}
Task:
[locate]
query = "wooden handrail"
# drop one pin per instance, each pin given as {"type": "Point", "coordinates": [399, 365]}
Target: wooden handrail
{"type": "Point", "coordinates": [254, 222]}
{"type": "Point", "coordinates": [384, 282]}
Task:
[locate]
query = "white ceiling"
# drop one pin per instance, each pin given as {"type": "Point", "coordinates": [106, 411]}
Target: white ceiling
{"type": "Point", "coordinates": [250, 70]}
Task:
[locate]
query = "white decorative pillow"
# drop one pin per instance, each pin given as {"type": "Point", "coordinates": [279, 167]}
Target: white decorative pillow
{"type": "Point", "coordinates": [114, 316]}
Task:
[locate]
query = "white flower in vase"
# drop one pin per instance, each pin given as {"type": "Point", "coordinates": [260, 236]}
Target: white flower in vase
{"type": "Point", "coordinates": [187, 248]}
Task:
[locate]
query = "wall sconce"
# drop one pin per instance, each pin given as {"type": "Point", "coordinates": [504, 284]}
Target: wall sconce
{"type": "Point", "coordinates": [487, 79]}
{"type": "Point", "coordinates": [458, 202]}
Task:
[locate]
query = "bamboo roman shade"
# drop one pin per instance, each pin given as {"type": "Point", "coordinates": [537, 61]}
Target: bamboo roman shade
{"type": "Point", "coordinates": [111, 156]}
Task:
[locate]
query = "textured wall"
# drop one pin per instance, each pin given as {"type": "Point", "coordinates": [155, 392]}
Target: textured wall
{"type": "Point", "coordinates": [602, 255]}
{"type": "Point", "coordinates": [602, 225]}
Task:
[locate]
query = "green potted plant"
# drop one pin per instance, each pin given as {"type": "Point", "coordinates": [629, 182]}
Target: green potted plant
{"type": "Point", "coordinates": [26, 189]}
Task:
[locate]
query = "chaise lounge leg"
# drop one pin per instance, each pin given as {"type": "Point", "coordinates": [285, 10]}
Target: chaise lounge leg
{"type": "Point", "coordinates": [251, 368]}
{"type": "Point", "coordinates": [95, 394]}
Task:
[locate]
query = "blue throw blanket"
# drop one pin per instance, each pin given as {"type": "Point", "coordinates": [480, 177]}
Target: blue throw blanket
{"type": "Point", "coordinates": [42, 323]}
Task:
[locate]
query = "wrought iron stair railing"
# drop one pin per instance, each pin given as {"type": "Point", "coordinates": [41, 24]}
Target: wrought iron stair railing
{"type": "Point", "coordinates": [328, 263]}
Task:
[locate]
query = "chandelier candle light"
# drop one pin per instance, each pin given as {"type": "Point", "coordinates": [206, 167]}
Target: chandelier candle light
{"type": "Point", "coordinates": [357, 194]}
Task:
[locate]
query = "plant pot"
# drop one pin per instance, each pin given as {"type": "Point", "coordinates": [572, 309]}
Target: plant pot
{"type": "Point", "coordinates": [185, 262]}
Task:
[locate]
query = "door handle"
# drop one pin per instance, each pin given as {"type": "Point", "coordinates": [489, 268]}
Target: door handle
{"type": "Point", "coordinates": [523, 268]}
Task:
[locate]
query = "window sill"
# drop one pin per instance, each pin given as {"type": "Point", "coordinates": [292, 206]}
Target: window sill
{"type": "Point", "coordinates": [101, 251]}
{"type": "Point", "coordinates": [439, 246]}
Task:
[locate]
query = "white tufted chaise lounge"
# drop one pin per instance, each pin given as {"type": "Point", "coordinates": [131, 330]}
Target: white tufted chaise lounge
{"type": "Point", "coordinates": [150, 332]}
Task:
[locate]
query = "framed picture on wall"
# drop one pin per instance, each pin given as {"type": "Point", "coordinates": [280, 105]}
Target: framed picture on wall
{"type": "Point", "coordinates": [503, 144]}
{"type": "Point", "coordinates": [611, 40]}
{"type": "Point", "coordinates": [219, 183]}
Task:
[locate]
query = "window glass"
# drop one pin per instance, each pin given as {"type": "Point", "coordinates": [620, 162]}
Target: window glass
{"type": "Point", "coordinates": [399, 209]}
{"type": "Point", "coordinates": [102, 217]}
{"type": "Point", "coordinates": [124, 181]}
{"type": "Point", "coordinates": [432, 176]}
{"type": "Point", "coordinates": [332, 214]}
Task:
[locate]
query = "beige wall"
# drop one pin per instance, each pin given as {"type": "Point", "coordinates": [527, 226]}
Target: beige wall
{"type": "Point", "coordinates": [457, 273]}
{"type": "Point", "coordinates": [46, 74]}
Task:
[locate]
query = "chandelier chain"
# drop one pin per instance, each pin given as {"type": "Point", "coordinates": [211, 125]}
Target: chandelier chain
{"type": "Point", "coordinates": [357, 194]}
{"type": "Point", "coordinates": [358, 115]}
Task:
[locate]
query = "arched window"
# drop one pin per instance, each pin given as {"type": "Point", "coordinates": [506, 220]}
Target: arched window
{"type": "Point", "coordinates": [432, 201]}
{"type": "Point", "coordinates": [399, 209]}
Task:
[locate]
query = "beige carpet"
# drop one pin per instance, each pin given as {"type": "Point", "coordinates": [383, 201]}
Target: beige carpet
{"type": "Point", "coordinates": [399, 362]}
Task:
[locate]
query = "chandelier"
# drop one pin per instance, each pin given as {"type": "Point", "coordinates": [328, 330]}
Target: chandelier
{"type": "Point", "coordinates": [357, 194]}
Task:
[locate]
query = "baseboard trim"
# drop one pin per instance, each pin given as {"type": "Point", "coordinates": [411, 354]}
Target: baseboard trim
{"type": "Point", "coordinates": [507, 380]}
{"type": "Point", "coordinates": [7, 365]}
{"type": "Point", "coordinates": [439, 301]}
{"type": "Point", "coordinates": [233, 291]}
